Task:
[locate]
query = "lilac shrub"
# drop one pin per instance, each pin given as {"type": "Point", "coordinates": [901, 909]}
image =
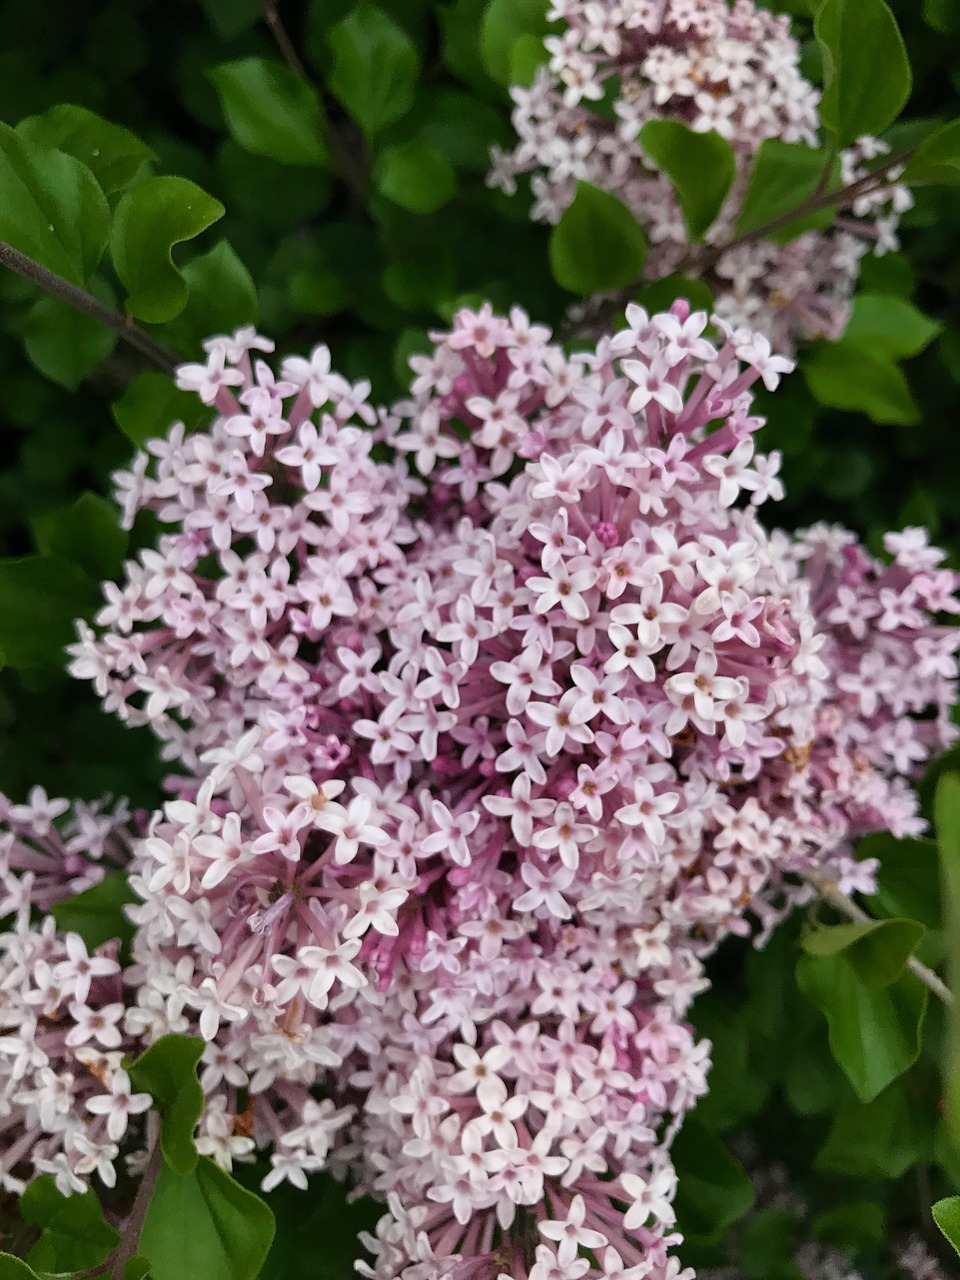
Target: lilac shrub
{"type": "Point", "coordinates": [731, 70]}
{"type": "Point", "coordinates": [489, 716]}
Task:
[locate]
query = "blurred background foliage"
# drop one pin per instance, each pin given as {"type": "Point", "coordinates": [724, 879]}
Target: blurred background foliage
{"type": "Point", "coordinates": [355, 199]}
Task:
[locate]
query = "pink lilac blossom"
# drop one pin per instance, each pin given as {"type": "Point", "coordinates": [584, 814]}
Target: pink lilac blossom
{"type": "Point", "coordinates": [480, 756]}
{"type": "Point", "coordinates": [729, 70]}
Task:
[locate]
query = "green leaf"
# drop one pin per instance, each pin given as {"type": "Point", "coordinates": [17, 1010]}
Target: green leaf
{"type": "Point", "coordinates": [768, 1244]}
{"type": "Point", "coordinates": [878, 952]}
{"type": "Point", "coordinates": [881, 1139]}
{"type": "Point", "coordinates": [713, 1191]}
{"type": "Point", "coordinates": [937, 160]}
{"type": "Point", "coordinates": [114, 155]}
{"type": "Point", "coordinates": [64, 343]}
{"type": "Point", "coordinates": [168, 1072]}
{"type": "Point", "coordinates": [228, 1229]}
{"type": "Point", "coordinates": [946, 1214]}
{"type": "Point", "coordinates": [271, 111]}
{"type": "Point", "coordinates": [222, 298]}
{"type": "Point", "coordinates": [874, 1034]}
{"type": "Point", "coordinates": [12, 1268]}
{"type": "Point", "coordinates": [51, 207]}
{"type": "Point", "coordinates": [136, 1268]}
{"type": "Point", "coordinates": [151, 405]}
{"type": "Point", "coordinates": [73, 1234]}
{"type": "Point", "coordinates": [87, 532]}
{"type": "Point", "coordinates": [890, 326]}
{"type": "Point", "coordinates": [97, 913]}
{"type": "Point", "coordinates": [846, 375]}
{"type": "Point", "coordinates": [375, 67]}
{"type": "Point", "coordinates": [851, 1227]}
{"type": "Point", "coordinates": [230, 18]}
{"type": "Point", "coordinates": [784, 174]}
{"type": "Point", "coordinates": [946, 812]}
{"type": "Point", "coordinates": [415, 176]}
{"type": "Point", "coordinates": [908, 879]}
{"type": "Point", "coordinates": [866, 69]}
{"type": "Point", "coordinates": [701, 167]}
{"type": "Point", "coordinates": [40, 596]}
{"type": "Point", "coordinates": [661, 295]}
{"type": "Point", "coordinates": [505, 25]}
{"type": "Point", "coordinates": [148, 222]}
{"type": "Point", "coordinates": [597, 245]}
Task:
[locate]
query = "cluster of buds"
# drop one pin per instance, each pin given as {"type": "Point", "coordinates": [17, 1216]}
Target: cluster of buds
{"type": "Point", "coordinates": [492, 715]}
{"type": "Point", "coordinates": [730, 70]}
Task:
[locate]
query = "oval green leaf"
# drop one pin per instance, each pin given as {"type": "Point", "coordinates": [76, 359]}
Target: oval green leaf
{"type": "Point", "coordinates": [148, 222]}
{"type": "Point", "coordinates": [272, 112]}
{"type": "Point", "coordinates": [597, 245]}
{"type": "Point", "coordinates": [205, 1224]}
{"type": "Point", "coordinates": [375, 67]}
{"type": "Point", "coordinates": [51, 207]}
{"type": "Point", "coordinates": [701, 167]}
{"type": "Point", "coordinates": [867, 75]}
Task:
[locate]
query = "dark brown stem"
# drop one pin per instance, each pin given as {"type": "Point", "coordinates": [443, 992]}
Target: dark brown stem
{"type": "Point", "coordinates": [133, 1227]}
{"type": "Point", "coordinates": [284, 43]}
{"type": "Point", "coordinates": [820, 199]}
{"type": "Point", "coordinates": [122, 325]}
{"type": "Point", "coordinates": [349, 166]}
{"type": "Point", "coordinates": [813, 204]}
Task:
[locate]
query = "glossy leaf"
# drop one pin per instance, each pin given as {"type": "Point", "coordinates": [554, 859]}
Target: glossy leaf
{"type": "Point", "coordinates": [375, 67]}
{"type": "Point", "coordinates": [88, 533]}
{"type": "Point", "coordinates": [937, 159]}
{"type": "Point", "coordinates": [12, 1268]}
{"type": "Point", "coordinates": [271, 111]}
{"type": "Point", "coordinates": [65, 344]}
{"type": "Point", "coordinates": [508, 26]}
{"type": "Point", "coordinates": [205, 1224]}
{"type": "Point", "coordinates": [881, 1139]}
{"type": "Point", "coordinates": [946, 1214]}
{"type": "Point", "coordinates": [40, 596]}
{"type": "Point", "coordinates": [222, 298]}
{"type": "Point", "coordinates": [851, 1227]}
{"type": "Point", "coordinates": [51, 207]}
{"type": "Point", "coordinates": [867, 76]}
{"type": "Point", "coordinates": [149, 221]}
{"type": "Point", "coordinates": [783, 175]}
{"type": "Point", "coordinates": [597, 244]}
{"type": "Point", "coordinates": [874, 1034]}
{"type": "Point", "coordinates": [701, 167]}
{"type": "Point", "coordinates": [415, 176]}
{"type": "Point", "coordinates": [114, 155]}
{"type": "Point", "coordinates": [877, 951]}
{"type": "Point", "coordinates": [713, 1190]}
{"type": "Point", "coordinates": [151, 405]}
{"type": "Point", "coordinates": [890, 326]}
{"type": "Point", "coordinates": [946, 809]}
{"type": "Point", "coordinates": [97, 913]}
{"type": "Point", "coordinates": [73, 1234]}
{"type": "Point", "coordinates": [848, 375]}
{"type": "Point", "coordinates": [168, 1072]}
{"type": "Point", "coordinates": [908, 878]}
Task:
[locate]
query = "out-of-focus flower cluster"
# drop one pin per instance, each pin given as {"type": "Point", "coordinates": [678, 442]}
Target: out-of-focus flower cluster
{"type": "Point", "coordinates": [731, 70]}
{"type": "Point", "coordinates": [493, 714]}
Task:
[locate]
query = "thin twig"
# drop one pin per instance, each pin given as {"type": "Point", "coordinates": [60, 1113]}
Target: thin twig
{"type": "Point", "coordinates": [122, 325]}
{"type": "Point", "coordinates": [847, 907]}
{"type": "Point", "coordinates": [819, 199]}
{"type": "Point", "coordinates": [133, 1227]}
{"type": "Point", "coordinates": [349, 167]}
{"type": "Point", "coordinates": [284, 43]}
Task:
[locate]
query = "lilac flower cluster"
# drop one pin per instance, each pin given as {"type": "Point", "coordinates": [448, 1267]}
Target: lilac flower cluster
{"type": "Point", "coordinates": [731, 70]}
{"type": "Point", "coordinates": [480, 754]}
